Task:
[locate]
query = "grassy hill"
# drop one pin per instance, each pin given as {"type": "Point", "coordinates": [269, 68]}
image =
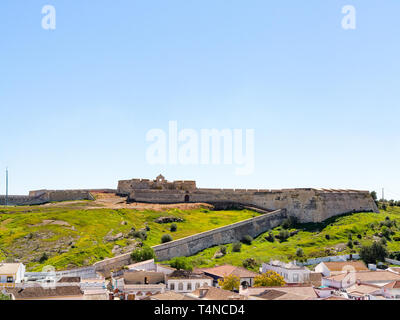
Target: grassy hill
{"type": "Point", "coordinates": [72, 235]}
{"type": "Point", "coordinates": [316, 240]}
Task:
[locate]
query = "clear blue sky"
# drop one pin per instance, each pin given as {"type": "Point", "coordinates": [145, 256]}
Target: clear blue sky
{"type": "Point", "coordinates": [76, 102]}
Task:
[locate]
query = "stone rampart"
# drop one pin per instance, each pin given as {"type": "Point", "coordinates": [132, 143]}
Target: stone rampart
{"type": "Point", "coordinates": [308, 205]}
{"type": "Point", "coordinates": [235, 232]}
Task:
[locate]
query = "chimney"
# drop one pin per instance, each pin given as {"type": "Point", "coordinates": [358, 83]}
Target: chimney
{"type": "Point", "coordinates": [203, 293]}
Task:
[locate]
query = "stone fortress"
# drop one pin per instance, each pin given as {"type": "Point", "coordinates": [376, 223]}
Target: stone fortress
{"type": "Point", "coordinates": [307, 204]}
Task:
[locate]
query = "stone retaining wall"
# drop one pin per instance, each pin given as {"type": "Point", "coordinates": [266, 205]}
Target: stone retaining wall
{"type": "Point", "coordinates": [235, 232]}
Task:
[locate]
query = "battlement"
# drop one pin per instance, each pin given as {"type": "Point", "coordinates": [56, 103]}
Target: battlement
{"type": "Point", "coordinates": [307, 204]}
{"type": "Point", "coordinates": [126, 187]}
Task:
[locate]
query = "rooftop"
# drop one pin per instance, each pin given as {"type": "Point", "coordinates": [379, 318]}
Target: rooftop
{"type": "Point", "coordinates": [342, 265]}
{"type": "Point", "coordinates": [183, 274]}
{"type": "Point", "coordinates": [213, 293]}
{"type": "Point", "coordinates": [393, 285]}
{"type": "Point", "coordinates": [9, 268]}
{"type": "Point", "coordinates": [40, 292]}
{"type": "Point", "coordinates": [368, 276]}
{"type": "Point", "coordinates": [170, 295]}
{"type": "Point", "coordinates": [227, 270]}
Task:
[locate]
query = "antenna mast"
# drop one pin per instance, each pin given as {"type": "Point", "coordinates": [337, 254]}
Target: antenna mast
{"type": "Point", "coordinates": [7, 187]}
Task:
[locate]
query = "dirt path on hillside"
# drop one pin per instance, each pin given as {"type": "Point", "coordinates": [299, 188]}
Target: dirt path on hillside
{"type": "Point", "coordinates": [112, 201]}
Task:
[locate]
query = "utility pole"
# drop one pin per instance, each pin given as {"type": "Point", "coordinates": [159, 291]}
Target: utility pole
{"type": "Point", "coordinates": [383, 194]}
{"type": "Point", "coordinates": [7, 187]}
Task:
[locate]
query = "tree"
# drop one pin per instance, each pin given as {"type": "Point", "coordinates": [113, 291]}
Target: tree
{"type": "Point", "coordinates": [374, 195]}
{"type": "Point", "coordinates": [373, 253]}
{"type": "Point", "coordinates": [299, 252]}
{"type": "Point", "coordinates": [236, 247]}
{"type": "Point", "coordinates": [142, 254]}
{"type": "Point", "coordinates": [230, 283]}
{"type": "Point", "coordinates": [181, 263]}
{"type": "Point", "coordinates": [269, 279]}
{"type": "Point", "coordinates": [166, 238]}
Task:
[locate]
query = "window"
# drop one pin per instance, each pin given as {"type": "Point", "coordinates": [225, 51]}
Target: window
{"type": "Point", "coordinates": [205, 284]}
{"type": "Point", "coordinates": [10, 279]}
{"type": "Point", "coordinates": [197, 285]}
{"type": "Point", "coordinates": [180, 286]}
{"type": "Point", "coordinates": [172, 286]}
{"type": "Point", "coordinates": [189, 286]}
{"type": "Point", "coordinates": [296, 277]}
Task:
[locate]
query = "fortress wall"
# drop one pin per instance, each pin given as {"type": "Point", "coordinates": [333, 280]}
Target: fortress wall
{"type": "Point", "coordinates": [68, 195]}
{"type": "Point", "coordinates": [308, 205]}
{"type": "Point", "coordinates": [235, 232]}
{"type": "Point", "coordinates": [21, 200]}
{"type": "Point", "coordinates": [157, 196]}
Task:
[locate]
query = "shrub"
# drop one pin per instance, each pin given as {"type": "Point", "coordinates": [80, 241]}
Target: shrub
{"type": "Point", "coordinates": [147, 228]}
{"type": "Point", "coordinates": [222, 249]}
{"type": "Point", "coordinates": [290, 222]}
{"type": "Point", "coordinates": [269, 279]}
{"type": "Point", "coordinates": [247, 240]}
{"type": "Point", "coordinates": [396, 238]}
{"type": "Point", "coordinates": [299, 252]}
{"type": "Point", "coordinates": [166, 238]}
{"type": "Point", "coordinates": [142, 254]}
{"type": "Point", "coordinates": [359, 236]}
{"type": "Point", "coordinates": [283, 235]}
{"type": "Point", "coordinates": [327, 237]}
{"type": "Point", "coordinates": [236, 247]}
{"type": "Point", "coordinates": [350, 244]}
{"type": "Point", "coordinates": [141, 234]}
{"type": "Point", "coordinates": [230, 283]}
{"type": "Point", "coordinates": [44, 257]}
{"type": "Point", "coordinates": [386, 232]}
{"type": "Point", "coordinates": [174, 227]}
{"type": "Point", "coordinates": [181, 263]}
{"type": "Point", "coordinates": [373, 253]}
{"type": "Point", "coordinates": [270, 237]}
{"type": "Point", "coordinates": [249, 263]}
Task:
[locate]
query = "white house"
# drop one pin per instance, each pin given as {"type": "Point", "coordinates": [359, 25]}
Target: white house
{"type": "Point", "coordinates": [291, 272]}
{"type": "Point", "coordinates": [181, 281]}
{"type": "Point", "coordinates": [335, 267]}
{"type": "Point", "coordinates": [346, 280]}
{"type": "Point", "coordinates": [10, 274]}
{"type": "Point", "coordinates": [150, 265]}
{"type": "Point", "coordinates": [392, 290]}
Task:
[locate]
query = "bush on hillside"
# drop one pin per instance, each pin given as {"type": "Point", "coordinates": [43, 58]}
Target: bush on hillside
{"type": "Point", "coordinates": [222, 249]}
{"type": "Point", "coordinates": [142, 254]}
{"type": "Point", "coordinates": [373, 253]}
{"type": "Point", "coordinates": [181, 263]}
{"type": "Point", "coordinates": [236, 247]}
{"type": "Point", "coordinates": [270, 237]}
{"type": "Point", "coordinates": [247, 239]}
{"type": "Point", "coordinates": [166, 238]}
